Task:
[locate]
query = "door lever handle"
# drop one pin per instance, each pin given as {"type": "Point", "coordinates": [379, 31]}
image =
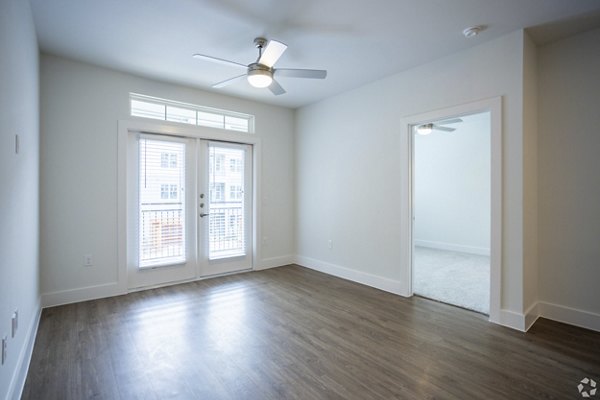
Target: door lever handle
{"type": "Point", "coordinates": [202, 215]}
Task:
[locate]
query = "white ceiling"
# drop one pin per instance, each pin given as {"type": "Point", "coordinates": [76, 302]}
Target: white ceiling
{"type": "Point", "coordinates": [356, 41]}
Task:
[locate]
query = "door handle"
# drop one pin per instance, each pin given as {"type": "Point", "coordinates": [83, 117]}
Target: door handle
{"type": "Point", "coordinates": [202, 215]}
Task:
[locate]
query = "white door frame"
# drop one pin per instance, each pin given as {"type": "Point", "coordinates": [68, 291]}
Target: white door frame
{"type": "Point", "coordinates": [164, 128]}
{"type": "Point", "coordinates": [494, 107]}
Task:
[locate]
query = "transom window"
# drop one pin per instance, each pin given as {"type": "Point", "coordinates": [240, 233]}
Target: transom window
{"type": "Point", "coordinates": [184, 113]}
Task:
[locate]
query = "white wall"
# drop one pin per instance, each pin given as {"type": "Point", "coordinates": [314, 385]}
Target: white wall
{"type": "Point", "coordinates": [452, 187]}
{"type": "Point", "coordinates": [348, 166]}
{"type": "Point", "coordinates": [80, 106]}
{"type": "Point", "coordinates": [569, 173]}
{"type": "Point", "coordinates": [19, 181]}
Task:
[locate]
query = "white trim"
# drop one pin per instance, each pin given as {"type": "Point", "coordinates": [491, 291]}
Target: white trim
{"type": "Point", "coordinates": [81, 294]}
{"type": "Point", "coordinates": [482, 251]}
{"type": "Point", "coordinates": [494, 107]}
{"type": "Point", "coordinates": [571, 316]}
{"type": "Point", "coordinates": [520, 322]}
{"type": "Point", "coordinates": [274, 262]}
{"type": "Point", "coordinates": [17, 383]}
{"type": "Point", "coordinates": [512, 320]}
{"type": "Point", "coordinates": [531, 315]}
{"type": "Point", "coordinates": [378, 282]}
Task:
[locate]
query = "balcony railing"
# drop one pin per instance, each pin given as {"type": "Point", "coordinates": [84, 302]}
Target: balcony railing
{"type": "Point", "coordinates": [163, 232]}
{"type": "Point", "coordinates": [226, 230]}
{"type": "Point", "coordinates": [162, 235]}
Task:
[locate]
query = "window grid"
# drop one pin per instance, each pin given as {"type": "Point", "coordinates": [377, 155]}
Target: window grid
{"type": "Point", "coordinates": [191, 114]}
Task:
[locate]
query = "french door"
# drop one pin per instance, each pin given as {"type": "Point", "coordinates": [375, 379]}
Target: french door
{"type": "Point", "coordinates": [189, 207]}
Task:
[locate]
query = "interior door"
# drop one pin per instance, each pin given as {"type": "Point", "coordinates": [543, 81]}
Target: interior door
{"type": "Point", "coordinates": [162, 228]}
{"type": "Point", "coordinates": [225, 207]}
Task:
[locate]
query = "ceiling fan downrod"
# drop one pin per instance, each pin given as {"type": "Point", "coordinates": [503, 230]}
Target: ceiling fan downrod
{"type": "Point", "coordinates": [260, 43]}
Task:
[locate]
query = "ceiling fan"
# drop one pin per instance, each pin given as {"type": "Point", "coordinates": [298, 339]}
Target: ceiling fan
{"type": "Point", "coordinates": [426, 129]}
{"type": "Point", "coordinates": [261, 73]}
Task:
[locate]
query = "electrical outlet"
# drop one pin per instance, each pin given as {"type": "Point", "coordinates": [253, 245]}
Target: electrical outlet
{"type": "Point", "coordinates": [15, 323]}
{"type": "Point", "coordinates": [330, 244]}
{"type": "Point", "coordinates": [4, 348]}
{"type": "Point", "coordinates": [87, 260]}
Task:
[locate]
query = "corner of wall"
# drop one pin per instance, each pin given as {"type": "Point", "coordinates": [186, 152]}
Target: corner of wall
{"type": "Point", "coordinates": [521, 322]}
{"type": "Point", "coordinates": [530, 174]}
{"type": "Point", "coordinates": [17, 383]}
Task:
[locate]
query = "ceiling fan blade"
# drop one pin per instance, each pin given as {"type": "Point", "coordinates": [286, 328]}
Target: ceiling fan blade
{"type": "Point", "coordinates": [301, 73]}
{"type": "Point", "coordinates": [450, 121]}
{"type": "Point", "coordinates": [271, 53]}
{"type": "Point", "coordinates": [276, 88]}
{"type": "Point", "coordinates": [229, 81]}
{"type": "Point", "coordinates": [218, 60]}
{"type": "Point", "coordinates": [443, 128]}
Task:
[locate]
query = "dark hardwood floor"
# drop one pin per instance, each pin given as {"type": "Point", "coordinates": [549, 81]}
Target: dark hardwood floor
{"type": "Point", "coordinates": [294, 333]}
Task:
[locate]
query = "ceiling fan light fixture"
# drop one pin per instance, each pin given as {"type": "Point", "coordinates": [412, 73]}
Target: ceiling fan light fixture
{"type": "Point", "coordinates": [260, 78]}
{"type": "Point", "coordinates": [425, 129]}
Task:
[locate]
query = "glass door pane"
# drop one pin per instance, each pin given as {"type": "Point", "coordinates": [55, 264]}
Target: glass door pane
{"type": "Point", "coordinates": [229, 187]}
{"type": "Point", "coordinates": [226, 236]}
{"type": "Point", "coordinates": [161, 199]}
{"type": "Point", "coordinates": [161, 203]}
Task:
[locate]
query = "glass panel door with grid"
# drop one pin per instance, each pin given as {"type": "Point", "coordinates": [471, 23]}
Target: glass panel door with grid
{"type": "Point", "coordinates": [226, 212]}
{"type": "Point", "coordinates": [162, 215]}
{"type": "Point", "coordinates": [189, 209]}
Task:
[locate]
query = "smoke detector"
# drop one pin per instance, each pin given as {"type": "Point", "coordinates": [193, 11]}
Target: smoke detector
{"type": "Point", "coordinates": [473, 31]}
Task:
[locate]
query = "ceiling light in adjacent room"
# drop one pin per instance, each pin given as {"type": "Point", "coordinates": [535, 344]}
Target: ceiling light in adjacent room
{"type": "Point", "coordinates": [425, 129]}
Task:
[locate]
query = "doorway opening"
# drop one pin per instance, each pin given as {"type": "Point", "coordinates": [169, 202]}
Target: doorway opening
{"type": "Point", "coordinates": [452, 210]}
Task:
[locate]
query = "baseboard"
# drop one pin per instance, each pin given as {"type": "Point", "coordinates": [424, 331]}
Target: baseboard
{"type": "Point", "coordinates": [273, 262]}
{"type": "Point", "coordinates": [571, 316]}
{"type": "Point", "coordinates": [518, 321]}
{"type": "Point", "coordinates": [385, 284]}
{"type": "Point", "coordinates": [531, 315]}
{"type": "Point", "coordinates": [81, 294]}
{"type": "Point", "coordinates": [482, 251]}
{"type": "Point", "coordinates": [512, 319]}
{"type": "Point", "coordinates": [15, 389]}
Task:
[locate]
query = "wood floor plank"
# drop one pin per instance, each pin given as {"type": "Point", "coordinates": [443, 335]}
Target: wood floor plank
{"type": "Point", "coordinates": [293, 333]}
